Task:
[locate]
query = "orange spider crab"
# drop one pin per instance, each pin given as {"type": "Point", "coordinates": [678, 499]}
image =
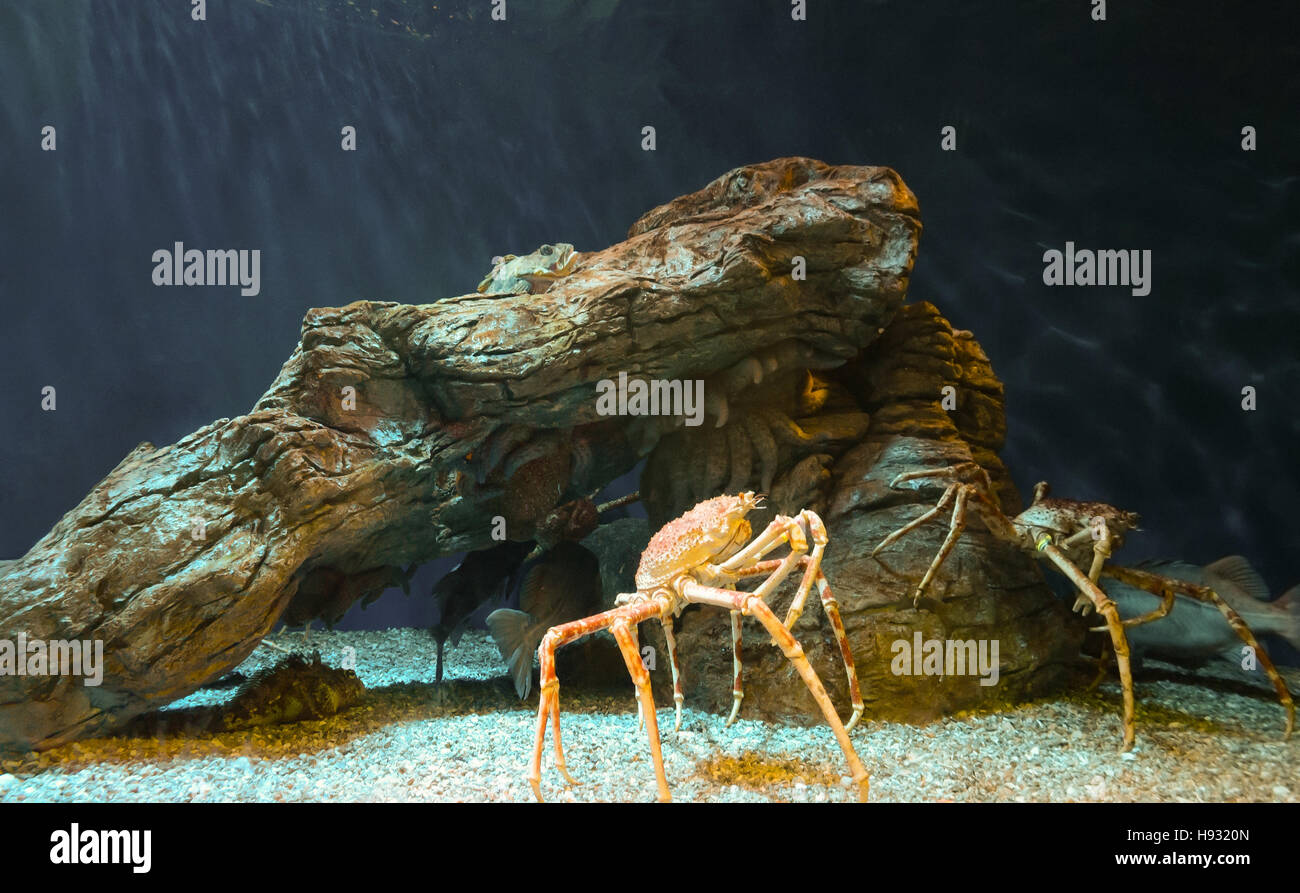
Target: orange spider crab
{"type": "Point", "coordinates": [699, 558]}
{"type": "Point", "coordinates": [1066, 533]}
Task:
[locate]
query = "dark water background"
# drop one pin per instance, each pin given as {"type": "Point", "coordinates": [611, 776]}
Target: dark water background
{"type": "Point", "coordinates": [480, 138]}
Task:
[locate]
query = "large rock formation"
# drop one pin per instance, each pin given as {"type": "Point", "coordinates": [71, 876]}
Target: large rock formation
{"type": "Point", "coordinates": [396, 433]}
{"type": "Point", "coordinates": [984, 591]}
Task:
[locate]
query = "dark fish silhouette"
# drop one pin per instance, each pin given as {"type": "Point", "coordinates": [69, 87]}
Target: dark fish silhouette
{"type": "Point", "coordinates": [1194, 633]}
{"type": "Point", "coordinates": [327, 593]}
{"type": "Point", "coordinates": [483, 576]}
{"type": "Point", "coordinates": [564, 585]}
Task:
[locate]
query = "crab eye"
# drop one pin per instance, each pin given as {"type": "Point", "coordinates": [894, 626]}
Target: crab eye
{"type": "Point", "coordinates": [547, 250]}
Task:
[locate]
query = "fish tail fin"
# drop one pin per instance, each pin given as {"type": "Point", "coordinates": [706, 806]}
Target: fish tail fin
{"type": "Point", "coordinates": [517, 635]}
{"type": "Point", "coordinates": [1288, 606]}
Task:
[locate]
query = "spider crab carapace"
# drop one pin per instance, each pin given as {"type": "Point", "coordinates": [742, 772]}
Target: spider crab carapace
{"type": "Point", "coordinates": [698, 559]}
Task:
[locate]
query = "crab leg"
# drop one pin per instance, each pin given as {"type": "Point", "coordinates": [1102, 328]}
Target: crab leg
{"type": "Point", "coordinates": [907, 528]}
{"type": "Point", "coordinates": [678, 697]}
{"type": "Point", "coordinates": [948, 471]}
{"type": "Point", "coordinates": [549, 698]}
{"type": "Point", "coordinates": [1101, 665]}
{"type": "Point", "coordinates": [813, 574]}
{"type": "Point", "coordinates": [777, 532]}
{"type": "Point", "coordinates": [1105, 608]}
{"type": "Point", "coordinates": [1100, 550]}
{"type": "Point", "coordinates": [1166, 587]}
{"type": "Point", "coordinates": [781, 570]}
{"type": "Point", "coordinates": [955, 528]}
{"type": "Point", "coordinates": [737, 687]}
{"type": "Point", "coordinates": [753, 606]}
{"type": "Point", "coordinates": [812, 566]}
{"type": "Point", "coordinates": [640, 709]}
{"type": "Point", "coordinates": [832, 609]}
{"type": "Point", "coordinates": [627, 644]}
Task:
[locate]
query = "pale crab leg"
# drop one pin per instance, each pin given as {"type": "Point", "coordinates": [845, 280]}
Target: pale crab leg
{"type": "Point", "coordinates": [1101, 662]}
{"type": "Point", "coordinates": [1100, 552]}
{"type": "Point", "coordinates": [780, 530]}
{"type": "Point", "coordinates": [832, 609]}
{"type": "Point", "coordinates": [737, 686]}
{"type": "Point", "coordinates": [1105, 608]}
{"type": "Point", "coordinates": [632, 657]}
{"type": "Point", "coordinates": [636, 646]}
{"type": "Point", "coordinates": [549, 697]}
{"type": "Point", "coordinates": [954, 530]}
{"type": "Point", "coordinates": [751, 605]}
{"type": "Point", "coordinates": [813, 573]}
{"type": "Point", "coordinates": [812, 566]}
{"type": "Point", "coordinates": [949, 471]}
{"type": "Point", "coordinates": [678, 697]}
{"type": "Point", "coordinates": [907, 528]}
{"type": "Point", "coordinates": [772, 537]}
{"type": "Point", "coordinates": [1156, 584]}
{"type": "Point", "coordinates": [782, 569]}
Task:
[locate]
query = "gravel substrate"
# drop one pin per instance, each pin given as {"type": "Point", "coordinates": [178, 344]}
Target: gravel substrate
{"type": "Point", "coordinates": [472, 741]}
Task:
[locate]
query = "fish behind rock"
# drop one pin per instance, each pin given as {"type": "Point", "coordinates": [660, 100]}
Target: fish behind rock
{"type": "Point", "coordinates": [1193, 632]}
{"type": "Point", "coordinates": [563, 586]}
{"type": "Point", "coordinates": [482, 576]}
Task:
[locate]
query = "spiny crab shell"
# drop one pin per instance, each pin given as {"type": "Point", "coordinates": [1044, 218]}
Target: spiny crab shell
{"type": "Point", "coordinates": [1064, 517]}
{"type": "Point", "coordinates": [711, 532]}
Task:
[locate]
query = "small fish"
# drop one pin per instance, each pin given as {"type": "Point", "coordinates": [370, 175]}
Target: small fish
{"type": "Point", "coordinates": [1194, 632]}
{"type": "Point", "coordinates": [482, 576]}
{"type": "Point", "coordinates": [563, 586]}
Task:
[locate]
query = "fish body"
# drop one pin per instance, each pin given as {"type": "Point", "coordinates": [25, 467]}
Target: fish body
{"type": "Point", "coordinates": [482, 576]}
{"type": "Point", "coordinates": [531, 274]}
{"type": "Point", "coordinates": [564, 585]}
{"type": "Point", "coordinates": [1194, 632]}
{"type": "Point", "coordinates": [295, 690]}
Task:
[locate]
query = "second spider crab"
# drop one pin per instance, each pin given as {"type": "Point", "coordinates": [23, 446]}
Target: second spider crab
{"type": "Point", "coordinates": [1071, 535]}
{"type": "Point", "coordinates": [698, 559]}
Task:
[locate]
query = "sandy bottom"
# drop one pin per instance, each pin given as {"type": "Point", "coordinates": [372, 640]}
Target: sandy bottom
{"type": "Point", "coordinates": [472, 740]}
